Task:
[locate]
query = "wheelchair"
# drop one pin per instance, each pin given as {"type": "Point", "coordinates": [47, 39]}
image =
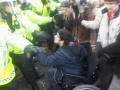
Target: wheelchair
{"type": "Point", "coordinates": [87, 82]}
{"type": "Point", "coordinates": [86, 87]}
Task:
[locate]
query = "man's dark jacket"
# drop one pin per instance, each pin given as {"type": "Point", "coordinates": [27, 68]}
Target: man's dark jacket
{"type": "Point", "coordinates": [66, 60]}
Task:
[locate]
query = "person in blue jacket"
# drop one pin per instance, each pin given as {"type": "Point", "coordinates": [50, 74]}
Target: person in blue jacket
{"type": "Point", "coordinates": [68, 59]}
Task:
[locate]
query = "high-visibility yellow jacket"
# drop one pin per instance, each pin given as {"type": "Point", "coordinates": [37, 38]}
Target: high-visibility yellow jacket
{"type": "Point", "coordinates": [44, 9]}
{"type": "Point", "coordinates": [17, 43]}
{"type": "Point", "coordinates": [28, 25]}
{"type": "Point", "coordinates": [37, 6]}
{"type": "Point", "coordinates": [38, 19]}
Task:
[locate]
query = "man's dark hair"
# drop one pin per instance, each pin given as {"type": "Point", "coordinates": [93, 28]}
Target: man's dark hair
{"type": "Point", "coordinates": [65, 4]}
{"type": "Point", "coordinates": [118, 1]}
{"type": "Point", "coordinates": [65, 35]}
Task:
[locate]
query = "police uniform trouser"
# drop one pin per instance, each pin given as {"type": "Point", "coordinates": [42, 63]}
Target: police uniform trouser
{"type": "Point", "coordinates": [26, 66]}
{"type": "Point", "coordinates": [10, 86]}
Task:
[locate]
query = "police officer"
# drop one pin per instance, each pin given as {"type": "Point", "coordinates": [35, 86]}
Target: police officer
{"type": "Point", "coordinates": [25, 65]}
{"type": "Point", "coordinates": [34, 17]}
{"type": "Point", "coordinates": [7, 70]}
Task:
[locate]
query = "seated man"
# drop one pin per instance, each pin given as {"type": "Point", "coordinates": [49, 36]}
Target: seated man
{"type": "Point", "coordinates": [68, 59]}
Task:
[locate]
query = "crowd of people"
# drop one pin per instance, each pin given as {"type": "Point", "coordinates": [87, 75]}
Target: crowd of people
{"type": "Point", "coordinates": [82, 35]}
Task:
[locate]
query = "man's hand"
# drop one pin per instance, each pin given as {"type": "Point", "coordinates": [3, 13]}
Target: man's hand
{"type": "Point", "coordinates": [77, 21]}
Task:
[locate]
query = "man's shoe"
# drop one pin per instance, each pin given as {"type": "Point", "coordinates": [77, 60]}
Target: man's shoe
{"type": "Point", "coordinates": [40, 75]}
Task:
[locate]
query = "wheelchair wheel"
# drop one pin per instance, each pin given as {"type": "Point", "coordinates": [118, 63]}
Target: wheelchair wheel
{"type": "Point", "coordinates": [86, 87]}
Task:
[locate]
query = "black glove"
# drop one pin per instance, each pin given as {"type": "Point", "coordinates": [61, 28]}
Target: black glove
{"type": "Point", "coordinates": [41, 50]}
{"type": "Point", "coordinates": [77, 21]}
{"type": "Point", "coordinates": [30, 51]}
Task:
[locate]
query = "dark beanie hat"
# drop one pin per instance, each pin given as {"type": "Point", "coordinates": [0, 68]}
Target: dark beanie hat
{"type": "Point", "coordinates": [65, 4]}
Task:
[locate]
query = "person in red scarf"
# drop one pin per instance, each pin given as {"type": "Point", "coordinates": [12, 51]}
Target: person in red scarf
{"type": "Point", "coordinates": [108, 46]}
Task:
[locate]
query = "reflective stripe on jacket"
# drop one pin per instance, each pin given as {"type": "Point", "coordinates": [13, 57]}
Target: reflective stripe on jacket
{"type": "Point", "coordinates": [7, 71]}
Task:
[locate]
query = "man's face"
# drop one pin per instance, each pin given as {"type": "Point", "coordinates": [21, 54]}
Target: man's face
{"type": "Point", "coordinates": [57, 39]}
{"type": "Point", "coordinates": [112, 6]}
{"type": "Point", "coordinates": [65, 10]}
{"type": "Point", "coordinates": [9, 9]}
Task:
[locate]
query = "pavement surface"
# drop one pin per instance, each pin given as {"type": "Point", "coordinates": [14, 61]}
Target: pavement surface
{"type": "Point", "coordinates": [42, 83]}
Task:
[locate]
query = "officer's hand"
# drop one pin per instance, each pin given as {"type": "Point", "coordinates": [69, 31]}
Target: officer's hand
{"type": "Point", "coordinates": [41, 50]}
{"type": "Point", "coordinates": [30, 51]}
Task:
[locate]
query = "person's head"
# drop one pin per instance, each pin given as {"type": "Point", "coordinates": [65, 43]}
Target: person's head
{"type": "Point", "coordinates": [65, 7]}
{"type": "Point", "coordinates": [8, 6]}
{"type": "Point", "coordinates": [112, 5]}
{"type": "Point", "coordinates": [63, 37]}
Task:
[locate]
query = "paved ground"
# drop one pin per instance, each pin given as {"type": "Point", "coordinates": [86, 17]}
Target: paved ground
{"type": "Point", "coordinates": [43, 83]}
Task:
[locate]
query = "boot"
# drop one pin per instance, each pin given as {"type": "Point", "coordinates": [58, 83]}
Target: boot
{"type": "Point", "coordinates": [35, 87]}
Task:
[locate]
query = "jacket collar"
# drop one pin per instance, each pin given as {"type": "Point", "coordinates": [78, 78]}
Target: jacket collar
{"type": "Point", "coordinates": [117, 13]}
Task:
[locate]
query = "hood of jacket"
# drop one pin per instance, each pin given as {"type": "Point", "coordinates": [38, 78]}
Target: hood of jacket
{"type": "Point", "coordinates": [74, 52]}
